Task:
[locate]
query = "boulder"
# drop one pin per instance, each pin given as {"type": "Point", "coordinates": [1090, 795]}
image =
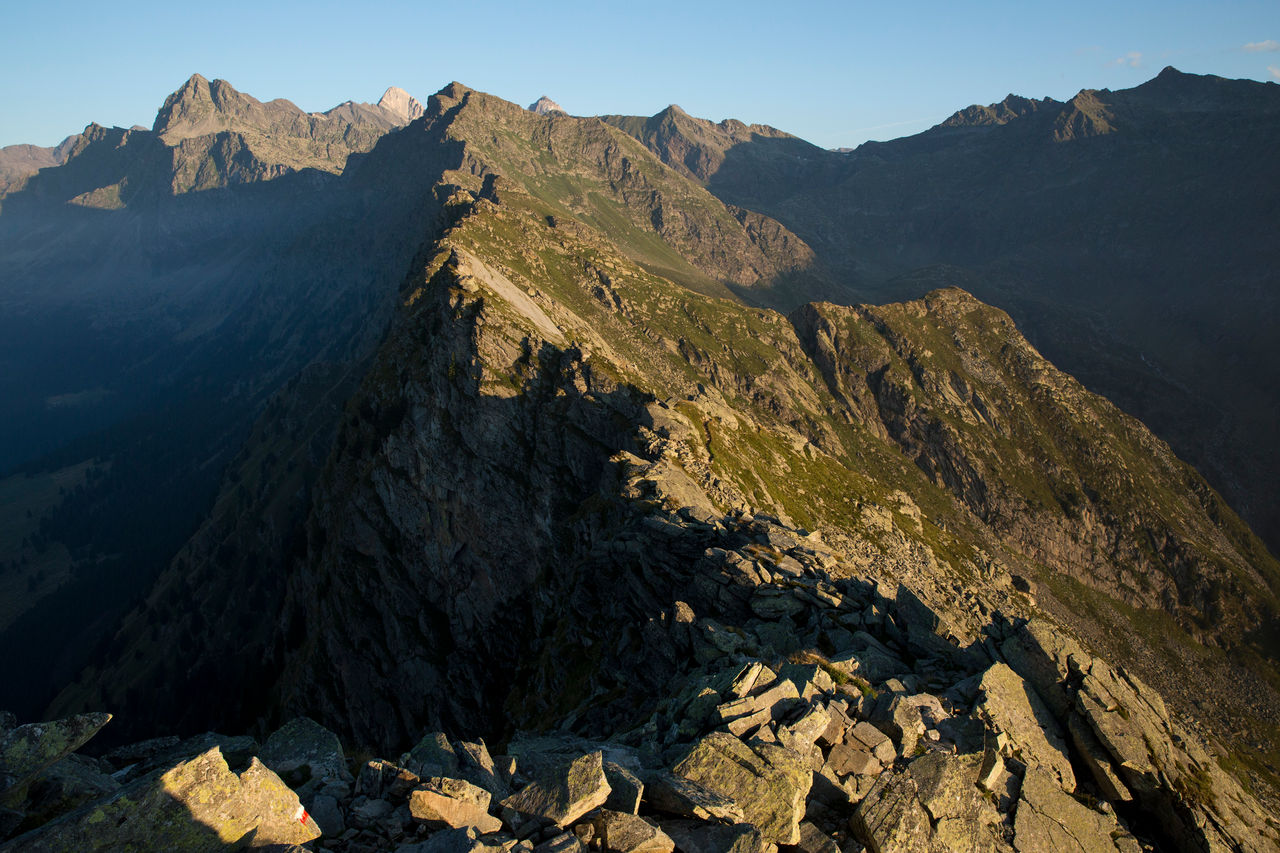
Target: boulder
{"type": "Point", "coordinates": [1044, 657]}
{"type": "Point", "coordinates": [324, 810]}
{"type": "Point", "coordinates": [622, 832]}
{"type": "Point", "coordinates": [1012, 707]}
{"type": "Point", "coordinates": [565, 793]}
{"type": "Point", "coordinates": [695, 836]}
{"type": "Point", "coordinates": [770, 783]}
{"type": "Point", "coordinates": [873, 740]}
{"type": "Point", "coordinates": [769, 704]}
{"type": "Point", "coordinates": [947, 787]}
{"type": "Point", "coordinates": [670, 794]}
{"type": "Point", "coordinates": [814, 840]}
{"type": "Point", "coordinates": [27, 750]}
{"type": "Point", "coordinates": [433, 756]}
{"type": "Point", "coordinates": [477, 766]}
{"type": "Point", "coordinates": [806, 729]}
{"type": "Point", "coordinates": [565, 842]}
{"type": "Point", "coordinates": [891, 818]}
{"type": "Point", "coordinates": [625, 789]}
{"type": "Point", "coordinates": [65, 786]}
{"type": "Point", "coordinates": [1047, 819]}
{"type": "Point", "coordinates": [196, 806]}
{"type": "Point", "coordinates": [848, 760]}
{"type": "Point", "coordinates": [1095, 758]}
{"type": "Point", "coordinates": [455, 803]}
{"type": "Point", "coordinates": [303, 750]}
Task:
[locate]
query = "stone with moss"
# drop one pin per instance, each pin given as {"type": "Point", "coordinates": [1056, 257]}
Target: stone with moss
{"type": "Point", "coordinates": [302, 750]}
{"type": "Point", "coordinates": [564, 793]}
{"type": "Point", "coordinates": [770, 783]}
{"type": "Point", "coordinates": [27, 750]}
{"type": "Point", "coordinates": [199, 805]}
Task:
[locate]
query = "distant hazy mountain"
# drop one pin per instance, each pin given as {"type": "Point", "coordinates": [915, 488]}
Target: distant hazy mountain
{"type": "Point", "coordinates": [19, 161]}
{"type": "Point", "coordinates": [158, 286]}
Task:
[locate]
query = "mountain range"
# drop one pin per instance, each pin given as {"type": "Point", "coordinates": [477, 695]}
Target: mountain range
{"type": "Point", "coordinates": [481, 419]}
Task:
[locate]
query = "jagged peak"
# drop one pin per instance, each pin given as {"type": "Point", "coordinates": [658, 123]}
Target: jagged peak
{"type": "Point", "coordinates": [401, 103]}
{"type": "Point", "coordinates": [190, 109]}
{"type": "Point", "coordinates": [1012, 107]}
{"type": "Point", "coordinates": [546, 106]}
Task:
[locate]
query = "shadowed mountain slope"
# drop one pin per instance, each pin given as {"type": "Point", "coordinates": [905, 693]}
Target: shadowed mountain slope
{"type": "Point", "coordinates": [155, 296]}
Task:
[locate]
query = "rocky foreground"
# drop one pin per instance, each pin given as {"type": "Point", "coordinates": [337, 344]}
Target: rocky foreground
{"type": "Point", "coordinates": [896, 739]}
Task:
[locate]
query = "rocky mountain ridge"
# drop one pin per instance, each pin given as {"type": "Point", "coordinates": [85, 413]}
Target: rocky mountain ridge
{"type": "Point", "coordinates": [874, 558]}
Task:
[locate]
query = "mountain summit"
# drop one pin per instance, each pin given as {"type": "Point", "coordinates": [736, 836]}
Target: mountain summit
{"type": "Point", "coordinates": [398, 101]}
{"type": "Point", "coordinates": [544, 106]}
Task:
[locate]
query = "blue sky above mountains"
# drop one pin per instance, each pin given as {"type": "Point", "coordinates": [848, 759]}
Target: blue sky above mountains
{"type": "Point", "coordinates": [835, 73]}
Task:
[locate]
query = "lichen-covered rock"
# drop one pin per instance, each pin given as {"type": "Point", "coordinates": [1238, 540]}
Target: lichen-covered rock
{"type": "Point", "coordinates": [476, 765]}
{"type": "Point", "coordinates": [566, 793]}
{"type": "Point", "coordinates": [1051, 821]}
{"type": "Point", "coordinates": [770, 783]}
{"type": "Point", "coordinates": [433, 756]}
{"type": "Point", "coordinates": [455, 803]}
{"type": "Point", "coordinates": [1044, 657]}
{"type": "Point", "coordinates": [670, 794]}
{"type": "Point", "coordinates": [26, 750]}
{"type": "Point", "coordinates": [891, 818]}
{"type": "Point", "coordinates": [695, 836]}
{"type": "Point", "coordinates": [1015, 709]}
{"type": "Point", "coordinates": [65, 786]}
{"type": "Point", "coordinates": [625, 788]}
{"type": "Point", "coordinates": [302, 750]}
{"type": "Point", "coordinates": [198, 805]}
{"type": "Point", "coordinates": [621, 832]}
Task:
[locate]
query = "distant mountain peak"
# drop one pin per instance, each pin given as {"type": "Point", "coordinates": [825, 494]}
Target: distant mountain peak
{"type": "Point", "coordinates": [198, 106]}
{"type": "Point", "coordinates": [545, 106]}
{"type": "Point", "coordinates": [1011, 108]}
{"type": "Point", "coordinates": [400, 102]}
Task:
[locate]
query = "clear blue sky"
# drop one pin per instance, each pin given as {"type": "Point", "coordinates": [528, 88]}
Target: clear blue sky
{"type": "Point", "coordinates": [835, 73]}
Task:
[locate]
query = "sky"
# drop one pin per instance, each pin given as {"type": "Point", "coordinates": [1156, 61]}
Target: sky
{"type": "Point", "coordinates": [834, 73]}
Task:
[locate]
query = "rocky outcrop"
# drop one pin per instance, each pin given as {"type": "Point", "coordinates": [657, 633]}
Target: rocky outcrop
{"type": "Point", "coordinates": [197, 805]}
{"type": "Point", "coordinates": [954, 751]}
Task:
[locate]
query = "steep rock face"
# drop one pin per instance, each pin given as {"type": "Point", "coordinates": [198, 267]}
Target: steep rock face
{"type": "Point", "coordinates": [399, 102]}
{"type": "Point", "coordinates": [245, 140]}
{"type": "Point", "coordinates": [978, 409]}
{"type": "Point", "coordinates": [442, 548]}
{"type": "Point", "coordinates": [544, 106]}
